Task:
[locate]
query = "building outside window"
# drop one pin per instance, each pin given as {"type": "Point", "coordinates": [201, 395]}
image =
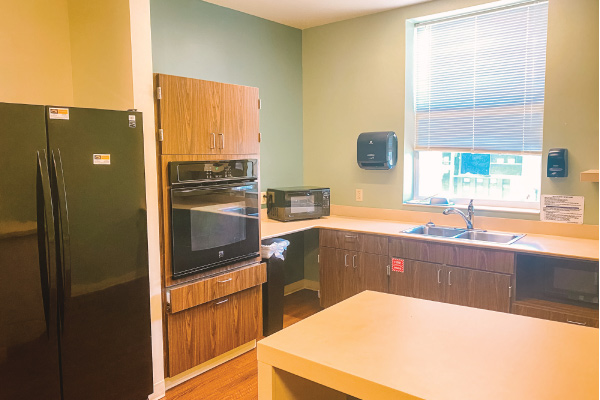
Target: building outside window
{"type": "Point", "coordinates": [478, 83]}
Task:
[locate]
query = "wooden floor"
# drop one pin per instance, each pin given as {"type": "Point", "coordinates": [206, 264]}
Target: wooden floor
{"type": "Point", "coordinates": [238, 378]}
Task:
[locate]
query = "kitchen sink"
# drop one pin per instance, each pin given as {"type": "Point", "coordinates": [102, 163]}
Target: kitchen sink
{"type": "Point", "coordinates": [443, 231]}
{"type": "Point", "coordinates": [464, 234]}
{"type": "Point", "coordinates": [495, 237]}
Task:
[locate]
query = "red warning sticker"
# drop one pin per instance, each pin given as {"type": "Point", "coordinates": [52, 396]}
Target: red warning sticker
{"type": "Point", "coordinates": [397, 265]}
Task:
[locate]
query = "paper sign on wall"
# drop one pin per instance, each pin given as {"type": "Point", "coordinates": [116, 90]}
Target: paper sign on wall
{"type": "Point", "coordinates": [102, 159]}
{"type": "Point", "coordinates": [397, 265]}
{"type": "Point", "coordinates": [559, 208]}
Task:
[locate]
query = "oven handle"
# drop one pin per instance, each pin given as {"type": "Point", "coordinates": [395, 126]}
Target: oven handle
{"type": "Point", "coordinates": [212, 187]}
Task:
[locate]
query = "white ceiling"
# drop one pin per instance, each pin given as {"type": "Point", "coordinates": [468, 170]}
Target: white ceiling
{"type": "Point", "coordinates": [308, 13]}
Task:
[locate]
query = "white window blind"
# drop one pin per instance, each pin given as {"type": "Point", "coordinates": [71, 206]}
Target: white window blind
{"type": "Point", "coordinates": [479, 81]}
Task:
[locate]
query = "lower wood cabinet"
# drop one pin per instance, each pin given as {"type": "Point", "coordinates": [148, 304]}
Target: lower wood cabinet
{"type": "Point", "coordinates": [345, 273]}
{"type": "Point", "coordinates": [420, 279]}
{"type": "Point", "coordinates": [197, 334]}
{"type": "Point", "coordinates": [556, 312]}
{"type": "Point", "coordinates": [461, 286]}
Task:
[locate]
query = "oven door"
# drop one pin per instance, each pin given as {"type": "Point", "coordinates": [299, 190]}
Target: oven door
{"type": "Point", "coordinates": [213, 226]}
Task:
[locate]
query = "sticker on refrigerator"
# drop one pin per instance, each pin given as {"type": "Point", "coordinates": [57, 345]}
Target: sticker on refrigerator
{"type": "Point", "coordinates": [102, 159]}
{"type": "Point", "coordinates": [58, 113]}
{"type": "Point", "coordinates": [132, 121]}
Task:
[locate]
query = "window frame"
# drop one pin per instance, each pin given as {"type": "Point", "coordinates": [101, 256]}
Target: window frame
{"type": "Point", "coordinates": [412, 172]}
{"type": "Point", "coordinates": [525, 206]}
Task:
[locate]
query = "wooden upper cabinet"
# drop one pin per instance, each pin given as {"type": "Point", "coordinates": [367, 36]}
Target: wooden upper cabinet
{"type": "Point", "coordinates": [204, 117]}
{"type": "Point", "coordinates": [240, 120]}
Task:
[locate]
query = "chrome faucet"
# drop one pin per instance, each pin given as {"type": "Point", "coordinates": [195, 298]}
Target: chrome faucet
{"type": "Point", "coordinates": [470, 219]}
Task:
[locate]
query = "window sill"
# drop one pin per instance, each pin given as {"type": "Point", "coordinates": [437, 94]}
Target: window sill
{"type": "Point", "coordinates": [532, 211]}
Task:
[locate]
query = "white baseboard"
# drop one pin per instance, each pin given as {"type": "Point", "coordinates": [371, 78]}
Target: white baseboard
{"type": "Point", "coordinates": [159, 391]}
{"type": "Point", "coordinates": [301, 284]}
{"type": "Point", "coordinates": [210, 364]}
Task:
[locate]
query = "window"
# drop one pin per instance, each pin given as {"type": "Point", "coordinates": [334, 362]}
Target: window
{"type": "Point", "coordinates": [478, 82]}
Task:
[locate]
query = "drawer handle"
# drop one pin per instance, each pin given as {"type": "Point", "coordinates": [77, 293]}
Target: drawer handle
{"type": "Point", "coordinates": [221, 302]}
{"type": "Point", "coordinates": [226, 280]}
{"type": "Point", "coordinates": [577, 323]}
{"type": "Point", "coordinates": [352, 236]}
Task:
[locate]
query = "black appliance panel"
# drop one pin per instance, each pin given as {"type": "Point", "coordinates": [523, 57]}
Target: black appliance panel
{"type": "Point", "coordinates": [30, 366]}
{"type": "Point", "coordinates": [575, 281]}
{"type": "Point", "coordinates": [203, 172]}
{"type": "Point", "coordinates": [213, 225]}
{"type": "Point", "coordinates": [103, 290]}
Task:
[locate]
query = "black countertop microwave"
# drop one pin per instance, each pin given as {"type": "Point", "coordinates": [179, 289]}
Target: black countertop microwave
{"type": "Point", "coordinates": [296, 203]}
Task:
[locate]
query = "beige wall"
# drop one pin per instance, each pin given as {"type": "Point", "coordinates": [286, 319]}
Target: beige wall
{"type": "Point", "coordinates": [101, 53]}
{"type": "Point", "coordinates": [35, 52]}
{"type": "Point", "coordinates": [66, 52]}
{"type": "Point", "coordinates": [354, 81]}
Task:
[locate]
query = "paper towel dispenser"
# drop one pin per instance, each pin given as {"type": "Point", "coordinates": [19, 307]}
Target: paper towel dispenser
{"type": "Point", "coordinates": [558, 164]}
{"type": "Point", "coordinates": [377, 150]}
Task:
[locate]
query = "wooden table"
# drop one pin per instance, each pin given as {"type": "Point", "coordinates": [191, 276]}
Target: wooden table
{"type": "Point", "coordinates": [382, 346]}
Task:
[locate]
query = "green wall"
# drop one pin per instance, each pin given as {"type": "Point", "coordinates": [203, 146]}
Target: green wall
{"type": "Point", "coordinates": [354, 81]}
{"type": "Point", "coordinates": [200, 40]}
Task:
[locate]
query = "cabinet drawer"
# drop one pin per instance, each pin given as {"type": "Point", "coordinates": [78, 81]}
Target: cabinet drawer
{"type": "Point", "coordinates": [458, 255]}
{"type": "Point", "coordinates": [559, 312]}
{"type": "Point", "coordinates": [347, 240]}
{"type": "Point", "coordinates": [197, 293]}
{"type": "Point", "coordinates": [200, 333]}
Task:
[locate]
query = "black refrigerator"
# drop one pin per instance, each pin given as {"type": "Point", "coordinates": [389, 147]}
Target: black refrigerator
{"type": "Point", "coordinates": [74, 289]}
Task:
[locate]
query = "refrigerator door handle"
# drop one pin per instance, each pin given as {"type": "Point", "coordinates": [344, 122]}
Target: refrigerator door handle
{"type": "Point", "coordinates": [45, 232]}
{"type": "Point", "coordinates": [62, 222]}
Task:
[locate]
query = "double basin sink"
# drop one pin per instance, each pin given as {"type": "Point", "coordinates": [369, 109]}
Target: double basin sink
{"type": "Point", "coordinates": [458, 233]}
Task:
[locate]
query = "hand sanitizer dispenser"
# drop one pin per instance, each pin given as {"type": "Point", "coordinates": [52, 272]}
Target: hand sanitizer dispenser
{"type": "Point", "coordinates": [377, 150]}
{"type": "Point", "coordinates": [557, 163]}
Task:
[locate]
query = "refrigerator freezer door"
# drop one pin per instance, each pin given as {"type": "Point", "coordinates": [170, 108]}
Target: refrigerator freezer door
{"type": "Point", "coordinates": [29, 363]}
{"type": "Point", "coordinates": [98, 168]}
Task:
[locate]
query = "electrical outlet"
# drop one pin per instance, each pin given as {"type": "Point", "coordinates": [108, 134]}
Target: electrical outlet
{"type": "Point", "coordinates": [263, 197]}
{"type": "Point", "coordinates": [359, 195]}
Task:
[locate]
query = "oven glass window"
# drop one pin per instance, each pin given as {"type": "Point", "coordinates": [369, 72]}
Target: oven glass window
{"type": "Point", "coordinates": [303, 204]}
{"type": "Point", "coordinates": [213, 225]}
{"type": "Point", "coordinates": [217, 225]}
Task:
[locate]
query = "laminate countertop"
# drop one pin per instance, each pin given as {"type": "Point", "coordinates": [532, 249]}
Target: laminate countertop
{"type": "Point", "coordinates": [383, 346]}
{"type": "Point", "coordinates": [560, 246]}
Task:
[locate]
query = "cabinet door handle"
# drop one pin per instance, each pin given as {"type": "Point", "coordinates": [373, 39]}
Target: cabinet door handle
{"type": "Point", "coordinates": [222, 140]}
{"type": "Point", "coordinates": [213, 142]}
{"type": "Point", "coordinates": [449, 281]}
{"type": "Point", "coordinates": [226, 280]}
{"type": "Point", "coordinates": [345, 260]}
{"type": "Point", "coordinates": [577, 323]}
{"type": "Point", "coordinates": [221, 302]}
{"type": "Point", "coordinates": [439, 272]}
{"type": "Point", "coordinates": [354, 261]}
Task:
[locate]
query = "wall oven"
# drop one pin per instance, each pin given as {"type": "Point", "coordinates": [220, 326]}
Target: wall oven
{"type": "Point", "coordinates": [214, 214]}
